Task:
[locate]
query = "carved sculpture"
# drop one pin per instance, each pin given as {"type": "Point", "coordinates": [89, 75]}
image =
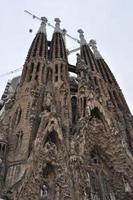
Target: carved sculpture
{"type": "Point", "coordinates": [64, 138]}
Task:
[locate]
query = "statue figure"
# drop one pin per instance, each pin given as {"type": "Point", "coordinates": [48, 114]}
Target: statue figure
{"type": "Point", "coordinates": [44, 192]}
{"type": "Point", "coordinates": [81, 64]}
{"type": "Point", "coordinates": [88, 110]}
{"type": "Point", "coordinates": [48, 104]}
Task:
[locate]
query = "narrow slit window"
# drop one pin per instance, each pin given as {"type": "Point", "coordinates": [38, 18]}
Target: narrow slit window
{"type": "Point", "coordinates": [38, 67]}
{"type": "Point", "coordinates": [30, 72]}
{"type": "Point", "coordinates": [84, 106]}
{"type": "Point", "coordinates": [56, 78]}
{"type": "Point", "coordinates": [56, 69]}
{"type": "Point", "coordinates": [61, 68]}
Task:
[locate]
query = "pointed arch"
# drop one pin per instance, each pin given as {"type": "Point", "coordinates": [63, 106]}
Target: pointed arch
{"type": "Point", "coordinates": [49, 75]}
{"type": "Point", "coordinates": [52, 137]}
{"type": "Point", "coordinates": [52, 134]}
{"type": "Point", "coordinates": [95, 109]}
{"type": "Point", "coordinates": [95, 112]}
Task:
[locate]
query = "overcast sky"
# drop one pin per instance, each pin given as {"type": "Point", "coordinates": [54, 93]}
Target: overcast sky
{"type": "Point", "coordinates": [110, 22]}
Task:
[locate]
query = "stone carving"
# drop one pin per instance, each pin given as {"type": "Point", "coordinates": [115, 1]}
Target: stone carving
{"type": "Point", "coordinates": [82, 68]}
{"type": "Point", "coordinates": [44, 192]}
{"type": "Point", "coordinates": [75, 139]}
{"type": "Point", "coordinates": [9, 103]}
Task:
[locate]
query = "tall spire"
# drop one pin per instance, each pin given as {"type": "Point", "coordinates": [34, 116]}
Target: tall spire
{"type": "Point", "coordinates": [93, 45]}
{"type": "Point", "coordinates": [57, 25]}
{"type": "Point", "coordinates": [42, 28]}
{"type": "Point", "coordinates": [115, 93]}
{"type": "Point", "coordinates": [39, 44]}
{"type": "Point", "coordinates": [58, 49]}
{"type": "Point", "coordinates": [86, 53]}
{"type": "Point", "coordinates": [82, 39]}
{"type": "Point", "coordinates": [37, 56]}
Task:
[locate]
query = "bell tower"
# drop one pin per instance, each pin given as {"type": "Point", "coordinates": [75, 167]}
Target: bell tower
{"type": "Point", "coordinates": [115, 96]}
{"type": "Point", "coordinates": [60, 78]}
{"type": "Point", "coordinates": [35, 64]}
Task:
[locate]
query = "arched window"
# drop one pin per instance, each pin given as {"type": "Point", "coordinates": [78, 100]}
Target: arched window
{"type": "Point", "coordinates": [19, 113]}
{"type": "Point", "coordinates": [43, 71]}
{"type": "Point", "coordinates": [95, 80]}
{"type": "Point", "coordinates": [19, 137]}
{"type": "Point", "coordinates": [49, 75]}
{"type": "Point", "coordinates": [56, 69]}
{"type": "Point", "coordinates": [74, 108]}
{"type": "Point", "coordinates": [61, 68]}
{"type": "Point", "coordinates": [61, 72]}
{"type": "Point", "coordinates": [38, 67]}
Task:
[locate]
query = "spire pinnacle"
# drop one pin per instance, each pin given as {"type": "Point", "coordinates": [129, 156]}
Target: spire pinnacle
{"type": "Point", "coordinates": [42, 28]}
{"type": "Point", "coordinates": [64, 31]}
{"type": "Point", "coordinates": [57, 25]}
{"type": "Point", "coordinates": [82, 39]}
{"type": "Point", "coordinates": [93, 45]}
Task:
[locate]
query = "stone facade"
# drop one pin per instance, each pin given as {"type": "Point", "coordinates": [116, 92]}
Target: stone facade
{"type": "Point", "coordinates": [62, 137]}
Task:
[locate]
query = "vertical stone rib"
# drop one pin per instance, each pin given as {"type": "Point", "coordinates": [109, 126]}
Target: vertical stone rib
{"type": "Point", "coordinates": [37, 51]}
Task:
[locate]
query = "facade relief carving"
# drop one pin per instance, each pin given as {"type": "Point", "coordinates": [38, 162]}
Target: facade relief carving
{"type": "Point", "coordinates": [63, 137]}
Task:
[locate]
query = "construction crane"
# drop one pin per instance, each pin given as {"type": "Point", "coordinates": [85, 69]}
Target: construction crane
{"type": "Point", "coordinates": [11, 72]}
{"type": "Point", "coordinates": [30, 30]}
{"type": "Point", "coordinates": [41, 19]}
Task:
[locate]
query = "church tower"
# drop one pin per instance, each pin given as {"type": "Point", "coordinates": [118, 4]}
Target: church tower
{"type": "Point", "coordinates": [64, 137]}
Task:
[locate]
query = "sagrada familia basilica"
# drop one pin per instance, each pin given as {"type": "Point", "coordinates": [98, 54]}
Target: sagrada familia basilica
{"type": "Point", "coordinates": [65, 137]}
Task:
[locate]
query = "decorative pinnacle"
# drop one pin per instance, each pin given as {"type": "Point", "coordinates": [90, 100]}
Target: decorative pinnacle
{"type": "Point", "coordinates": [82, 39]}
{"type": "Point", "coordinates": [42, 28]}
{"type": "Point", "coordinates": [57, 25]}
{"type": "Point", "coordinates": [93, 45]}
{"type": "Point", "coordinates": [64, 31]}
{"type": "Point", "coordinates": [44, 20]}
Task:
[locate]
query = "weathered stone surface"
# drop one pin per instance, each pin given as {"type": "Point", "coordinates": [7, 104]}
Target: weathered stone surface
{"type": "Point", "coordinates": [64, 138]}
